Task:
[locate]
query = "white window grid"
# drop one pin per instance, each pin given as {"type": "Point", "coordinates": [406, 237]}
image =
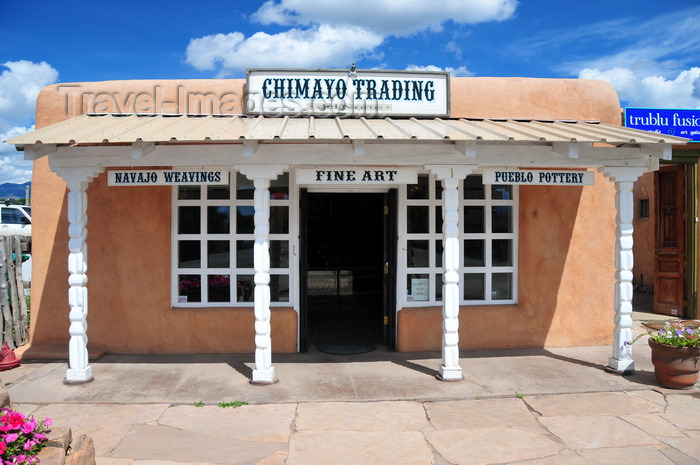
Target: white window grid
{"type": "Point", "coordinates": [232, 237]}
{"type": "Point", "coordinates": [434, 237]}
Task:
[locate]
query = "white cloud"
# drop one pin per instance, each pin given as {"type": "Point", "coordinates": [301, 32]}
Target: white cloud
{"type": "Point", "coordinates": [13, 167]}
{"type": "Point", "coordinates": [315, 47]}
{"type": "Point", "coordinates": [332, 33]}
{"type": "Point", "coordinates": [657, 91]}
{"type": "Point", "coordinates": [461, 71]}
{"type": "Point", "coordinates": [20, 84]}
{"type": "Point", "coordinates": [387, 17]}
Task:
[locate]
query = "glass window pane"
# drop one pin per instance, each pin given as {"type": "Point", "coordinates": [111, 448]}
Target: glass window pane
{"type": "Point", "coordinates": [474, 253]}
{"type": "Point", "coordinates": [279, 220]}
{"type": "Point", "coordinates": [438, 219]}
{"type": "Point", "coordinates": [219, 288]}
{"type": "Point", "coordinates": [190, 288]}
{"type": "Point", "coordinates": [218, 220]}
{"type": "Point", "coordinates": [279, 254]}
{"type": "Point", "coordinates": [189, 254]}
{"type": "Point", "coordinates": [501, 219]}
{"type": "Point", "coordinates": [188, 193]}
{"type": "Point", "coordinates": [244, 254]}
{"type": "Point", "coordinates": [502, 286]}
{"type": "Point", "coordinates": [438, 190]}
{"type": "Point", "coordinates": [244, 220]}
{"type": "Point", "coordinates": [418, 288]}
{"type": "Point", "coordinates": [438, 253]}
{"type": "Point", "coordinates": [438, 287]}
{"type": "Point", "coordinates": [245, 287]}
{"type": "Point", "coordinates": [473, 219]}
{"type": "Point", "coordinates": [218, 192]}
{"type": "Point", "coordinates": [417, 254]}
{"type": "Point", "coordinates": [420, 190]}
{"type": "Point", "coordinates": [279, 188]}
{"type": "Point", "coordinates": [188, 220]}
{"type": "Point", "coordinates": [244, 187]}
{"type": "Point", "coordinates": [502, 252]}
{"type": "Point", "coordinates": [473, 187]}
{"type": "Point", "coordinates": [500, 192]}
{"type": "Point", "coordinates": [218, 254]}
{"type": "Point", "coordinates": [474, 286]}
{"type": "Point", "coordinates": [279, 288]}
{"type": "Point", "coordinates": [418, 219]}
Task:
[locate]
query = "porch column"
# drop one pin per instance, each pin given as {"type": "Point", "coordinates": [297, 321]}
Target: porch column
{"type": "Point", "coordinates": [261, 175]}
{"type": "Point", "coordinates": [621, 361]}
{"type": "Point", "coordinates": [79, 371]}
{"type": "Point", "coordinates": [450, 177]}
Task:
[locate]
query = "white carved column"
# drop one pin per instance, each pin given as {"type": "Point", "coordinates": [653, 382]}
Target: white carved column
{"type": "Point", "coordinates": [621, 361]}
{"type": "Point", "coordinates": [261, 175]}
{"type": "Point", "coordinates": [79, 371]}
{"type": "Point", "coordinates": [450, 176]}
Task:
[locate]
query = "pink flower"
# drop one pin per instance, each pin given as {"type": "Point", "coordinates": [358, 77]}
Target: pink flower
{"type": "Point", "coordinates": [3, 447]}
{"type": "Point", "coordinates": [12, 437]}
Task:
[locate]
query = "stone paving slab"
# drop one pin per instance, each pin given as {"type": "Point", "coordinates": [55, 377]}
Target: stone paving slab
{"type": "Point", "coordinates": [359, 447]}
{"type": "Point", "coordinates": [361, 416]}
{"type": "Point", "coordinates": [479, 413]}
{"type": "Point", "coordinates": [271, 422]}
{"type": "Point", "coordinates": [579, 432]}
{"type": "Point", "coordinates": [591, 404]}
{"type": "Point", "coordinates": [166, 443]}
{"type": "Point", "coordinates": [642, 455]}
{"type": "Point", "coordinates": [492, 445]}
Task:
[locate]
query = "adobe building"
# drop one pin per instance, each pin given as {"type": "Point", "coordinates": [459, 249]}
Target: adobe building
{"type": "Point", "coordinates": [270, 214]}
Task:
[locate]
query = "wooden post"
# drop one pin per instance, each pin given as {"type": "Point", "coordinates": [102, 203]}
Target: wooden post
{"type": "Point", "coordinates": [4, 292]}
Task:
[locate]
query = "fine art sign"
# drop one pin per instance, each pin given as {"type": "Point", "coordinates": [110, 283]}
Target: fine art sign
{"type": "Point", "coordinates": [354, 93]}
{"type": "Point", "coordinates": [166, 177]}
{"type": "Point", "coordinates": [354, 176]}
{"type": "Point", "coordinates": [539, 177]}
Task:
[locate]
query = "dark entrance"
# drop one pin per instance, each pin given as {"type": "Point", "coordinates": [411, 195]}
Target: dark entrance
{"type": "Point", "coordinates": [347, 269]}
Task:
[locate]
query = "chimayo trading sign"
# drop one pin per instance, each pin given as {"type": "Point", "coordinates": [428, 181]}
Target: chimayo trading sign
{"type": "Point", "coordinates": [367, 93]}
{"type": "Point", "coordinates": [539, 177]}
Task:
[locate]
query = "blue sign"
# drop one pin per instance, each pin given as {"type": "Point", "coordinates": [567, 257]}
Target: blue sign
{"type": "Point", "coordinates": [681, 123]}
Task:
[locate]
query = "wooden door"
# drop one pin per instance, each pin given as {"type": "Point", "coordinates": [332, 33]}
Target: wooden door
{"type": "Point", "coordinates": [669, 253]}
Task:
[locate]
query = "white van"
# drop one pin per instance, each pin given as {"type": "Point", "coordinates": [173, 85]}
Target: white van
{"type": "Point", "coordinates": [15, 220]}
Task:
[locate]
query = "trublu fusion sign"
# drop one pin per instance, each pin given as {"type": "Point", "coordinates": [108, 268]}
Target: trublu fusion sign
{"type": "Point", "coordinates": [682, 123]}
{"type": "Point", "coordinates": [368, 93]}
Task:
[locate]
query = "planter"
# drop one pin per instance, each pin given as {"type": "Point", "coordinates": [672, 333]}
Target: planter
{"type": "Point", "coordinates": [675, 367]}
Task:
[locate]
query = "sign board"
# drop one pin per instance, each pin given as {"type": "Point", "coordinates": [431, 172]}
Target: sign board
{"type": "Point", "coordinates": [166, 177]}
{"type": "Point", "coordinates": [354, 176]}
{"type": "Point", "coordinates": [682, 123]}
{"type": "Point", "coordinates": [355, 93]}
{"type": "Point", "coordinates": [539, 177]}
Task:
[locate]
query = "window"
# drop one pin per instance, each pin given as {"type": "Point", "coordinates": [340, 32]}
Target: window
{"type": "Point", "coordinates": [488, 242]}
{"type": "Point", "coordinates": [213, 231]}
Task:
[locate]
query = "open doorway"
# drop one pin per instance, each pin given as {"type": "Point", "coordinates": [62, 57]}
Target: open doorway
{"type": "Point", "coordinates": [346, 265]}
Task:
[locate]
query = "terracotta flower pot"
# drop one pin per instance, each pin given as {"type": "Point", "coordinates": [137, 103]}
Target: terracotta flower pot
{"type": "Point", "coordinates": [675, 367]}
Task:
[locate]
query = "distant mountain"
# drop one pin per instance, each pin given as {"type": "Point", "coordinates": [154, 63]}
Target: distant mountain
{"type": "Point", "coordinates": [15, 190]}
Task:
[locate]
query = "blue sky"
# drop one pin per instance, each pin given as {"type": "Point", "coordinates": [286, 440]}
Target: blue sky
{"type": "Point", "coordinates": [648, 50]}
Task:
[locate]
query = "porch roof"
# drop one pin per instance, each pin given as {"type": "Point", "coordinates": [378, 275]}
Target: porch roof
{"type": "Point", "coordinates": [164, 129]}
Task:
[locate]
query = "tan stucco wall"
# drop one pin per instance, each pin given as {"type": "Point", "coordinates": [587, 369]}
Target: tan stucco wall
{"type": "Point", "coordinates": [566, 249]}
{"type": "Point", "coordinates": [566, 279]}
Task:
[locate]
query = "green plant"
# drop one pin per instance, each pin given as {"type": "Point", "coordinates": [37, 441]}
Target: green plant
{"type": "Point", "coordinates": [234, 404]}
{"type": "Point", "coordinates": [519, 395]}
{"type": "Point", "coordinates": [673, 334]}
{"type": "Point", "coordinates": [198, 404]}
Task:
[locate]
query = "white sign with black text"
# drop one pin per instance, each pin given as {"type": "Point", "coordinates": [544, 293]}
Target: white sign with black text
{"type": "Point", "coordinates": [539, 177]}
{"type": "Point", "coordinates": [166, 177]}
{"type": "Point", "coordinates": [353, 176]}
{"type": "Point", "coordinates": [354, 93]}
